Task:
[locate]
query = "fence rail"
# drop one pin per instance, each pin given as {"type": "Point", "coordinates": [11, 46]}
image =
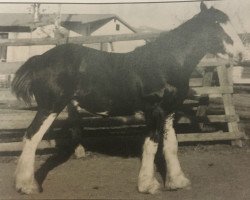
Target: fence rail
{"type": "Point", "coordinates": [78, 40]}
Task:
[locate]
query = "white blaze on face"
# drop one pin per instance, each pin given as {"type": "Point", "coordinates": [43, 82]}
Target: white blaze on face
{"type": "Point", "coordinates": [237, 48]}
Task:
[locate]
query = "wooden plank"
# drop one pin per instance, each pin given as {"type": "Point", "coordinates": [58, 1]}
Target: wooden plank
{"type": "Point", "coordinates": [242, 80]}
{"type": "Point", "coordinates": [191, 137]}
{"type": "Point", "coordinates": [212, 62]}
{"type": "Point", "coordinates": [123, 122]}
{"type": "Point", "coordinates": [202, 137]}
{"type": "Point", "coordinates": [223, 118]}
{"type": "Point", "coordinates": [18, 146]}
{"type": "Point", "coordinates": [195, 82]}
{"type": "Point", "coordinates": [21, 119]}
{"type": "Point", "coordinates": [78, 40]}
{"type": "Point", "coordinates": [213, 90]}
{"type": "Point", "coordinates": [211, 119]}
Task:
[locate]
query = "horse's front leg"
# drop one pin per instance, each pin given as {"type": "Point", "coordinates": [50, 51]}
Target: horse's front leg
{"type": "Point", "coordinates": [147, 182]}
{"type": "Point", "coordinates": [175, 176]}
{"type": "Point", "coordinates": [24, 175]}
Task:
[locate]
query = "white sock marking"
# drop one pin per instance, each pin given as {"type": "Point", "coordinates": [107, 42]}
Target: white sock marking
{"type": "Point", "coordinates": [175, 176]}
{"type": "Point", "coordinates": [170, 148]}
{"type": "Point", "coordinates": [147, 181]}
{"type": "Point", "coordinates": [25, 168]}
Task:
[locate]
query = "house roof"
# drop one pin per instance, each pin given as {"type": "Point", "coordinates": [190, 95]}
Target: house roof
{"type": "Point", "coordinates": [26, 20]}
{"type": "Point", "coordinates": [245, 37]}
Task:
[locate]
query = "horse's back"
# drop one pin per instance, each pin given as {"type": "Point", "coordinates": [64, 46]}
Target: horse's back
{"type": "Point", "coordinates": [99, 80]}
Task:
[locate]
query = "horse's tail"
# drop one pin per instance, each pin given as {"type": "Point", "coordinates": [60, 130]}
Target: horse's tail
{"type": "Point", "coordinates": [21, 84]}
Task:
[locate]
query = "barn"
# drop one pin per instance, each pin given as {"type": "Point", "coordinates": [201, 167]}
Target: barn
{"type": "Point", "coordinates": [20, 26]}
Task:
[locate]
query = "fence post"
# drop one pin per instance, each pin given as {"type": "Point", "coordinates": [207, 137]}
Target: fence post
{"type": "Point", "coordinates": [228, 103]}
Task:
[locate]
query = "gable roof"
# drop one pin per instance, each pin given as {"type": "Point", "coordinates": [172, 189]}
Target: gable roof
{"type": "Point", "coordinates": [245, 37]}
{"type": "Point", "coordinates": [26, 20]}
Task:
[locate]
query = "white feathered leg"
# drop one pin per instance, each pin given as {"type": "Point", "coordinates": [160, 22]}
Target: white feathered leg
{"type": "Point", "coordinates": [147, 182]}
{"type": "Point", "coordinates": [175, 176]}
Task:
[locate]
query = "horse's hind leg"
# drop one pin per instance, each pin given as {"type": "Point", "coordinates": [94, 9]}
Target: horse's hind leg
{"type": "Point", "coordinates": [24, 175]}
{"type": "Point", "coordinates": [74, 118]}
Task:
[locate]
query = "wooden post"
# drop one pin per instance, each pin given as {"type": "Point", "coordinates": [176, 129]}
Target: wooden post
{"type": "Point", "coordinates": [228, 104]}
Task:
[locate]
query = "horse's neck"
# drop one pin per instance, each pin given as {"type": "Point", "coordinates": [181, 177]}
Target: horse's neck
{"type": "Point", "coordinates": [188, 49]}
{"type": "Point", "coordinates": [182, 47]}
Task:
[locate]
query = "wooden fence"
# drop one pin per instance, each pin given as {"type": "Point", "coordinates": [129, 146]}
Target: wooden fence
{"type": "Point", "coordinates": [79, 40]}
{"type": "Point", "coordinates": [224, 89]}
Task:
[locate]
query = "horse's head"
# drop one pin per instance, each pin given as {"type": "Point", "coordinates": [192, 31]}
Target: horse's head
{"type": "Point", "coordinates": [223, 40]}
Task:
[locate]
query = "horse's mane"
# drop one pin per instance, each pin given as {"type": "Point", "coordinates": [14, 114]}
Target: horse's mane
{"type": "Point", "coordinates": [170, 36]}
{"type": "Point", "coordinates": [186, 30]}
{"type": "Point", "coordinates": [182, 32]}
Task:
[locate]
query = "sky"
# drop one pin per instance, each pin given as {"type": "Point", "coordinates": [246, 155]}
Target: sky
{"type": "Point", "coordinates": [162, 16]}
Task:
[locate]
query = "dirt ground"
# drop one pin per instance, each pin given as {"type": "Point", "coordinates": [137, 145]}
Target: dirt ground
{"type": "Point", "coordinates": [110, 170]}
{"type": "Point", "coordinates": [217, 172]}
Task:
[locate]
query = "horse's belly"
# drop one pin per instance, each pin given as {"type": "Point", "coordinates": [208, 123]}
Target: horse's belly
{"type": "Point", "coordinates": [94, 102]}
{"type": "Point", "coordinates": [102, 103]}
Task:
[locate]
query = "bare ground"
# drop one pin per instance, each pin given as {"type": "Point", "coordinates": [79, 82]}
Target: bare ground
{"type": "Point", "coordinates": [217, 172]}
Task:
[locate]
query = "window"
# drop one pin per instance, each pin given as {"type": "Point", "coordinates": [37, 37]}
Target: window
{"type": "Point", "coordinates": [3, 49]}
{"type": "Point", "coordinates": [117, 27]}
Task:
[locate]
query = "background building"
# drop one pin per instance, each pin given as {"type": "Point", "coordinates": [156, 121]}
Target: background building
{"type": "Point", "coordinates": [20, 26]}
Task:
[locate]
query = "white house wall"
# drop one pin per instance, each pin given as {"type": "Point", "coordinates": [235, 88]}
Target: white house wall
{"type": "Point", "coordinates": [22, 53]}
{"type": "Point", "coordinates": [119, 47]}
{"type": "Point", "coordinates": [17, 53]}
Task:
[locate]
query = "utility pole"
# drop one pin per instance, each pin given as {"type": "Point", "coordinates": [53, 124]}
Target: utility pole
{"type": "Point", "coordinates": [57, 32]}
{"type": "Point", "coordinates": [58, 17]}
{"type": "Point", "coordinates": [36, 12]}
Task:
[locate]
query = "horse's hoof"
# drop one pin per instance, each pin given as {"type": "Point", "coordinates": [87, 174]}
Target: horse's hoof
{"type": "Point", "coordinates": [151, 187]}
{"type": "Point", "coordinates": [80, 152]}
{"type": "Point", "coordinates": [178, 182]}
{"type": "Point", "coordinates": [27, 187]}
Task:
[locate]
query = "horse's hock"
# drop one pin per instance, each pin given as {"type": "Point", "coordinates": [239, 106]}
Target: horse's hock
{"type": "Point", "coordinates": [213, 120]}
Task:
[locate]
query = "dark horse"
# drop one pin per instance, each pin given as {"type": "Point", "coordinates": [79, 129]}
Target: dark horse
{"type": "Point", "coordinates": [153, 78]}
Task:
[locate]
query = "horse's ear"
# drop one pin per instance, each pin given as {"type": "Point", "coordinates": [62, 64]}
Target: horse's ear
{"type": "Point", "coordinates": [203, 6]}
